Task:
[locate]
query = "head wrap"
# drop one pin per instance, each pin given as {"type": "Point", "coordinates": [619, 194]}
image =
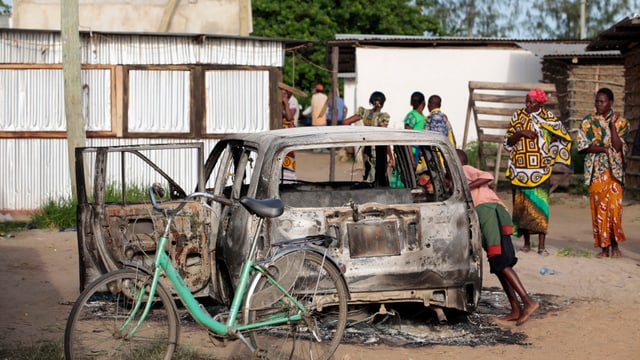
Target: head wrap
{"type": "Point", "coordinates": [538, 95]}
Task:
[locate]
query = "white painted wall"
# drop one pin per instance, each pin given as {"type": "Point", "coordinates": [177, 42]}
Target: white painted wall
{"type": "Point", "coordinates": [223, 17]}
{"type": "Point", "coordinates": [398, 72]}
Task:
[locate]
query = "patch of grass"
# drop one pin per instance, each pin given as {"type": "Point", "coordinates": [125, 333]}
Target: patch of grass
{"type": "Point", "coordinates": [43, 350]}
{"type": "Point", "coordinates": [56, 214]}
{"type": "Point", "coordinates": [61, 213]}
{"type": "Point", "coordinates": [134, 192]}
{"type": "Point", "coordinates": [8, 226]}
{"type": "Point", "coordinates": [54, 350]}
{"type": "Point", "coordinates": [571, 251]}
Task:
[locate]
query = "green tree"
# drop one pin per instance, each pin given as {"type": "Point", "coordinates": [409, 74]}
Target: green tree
{"type": "Point", "coordinates": [474, 18]}
{"type": "Point", "coordinates": [560, 19]}
{"type": "Point", "coordinates": [4, 8]}
{"type": "Point", "coordinates": [320, 20]}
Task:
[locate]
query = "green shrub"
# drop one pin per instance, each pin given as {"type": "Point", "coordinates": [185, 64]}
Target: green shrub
{"type": "Point", "coordinates": [56, 214]}
{"type": "Point", "coordinates": [472, 153]}
{"type": "Point", "coordinates": [8, 226]}
{"type": "Point", "coordinates": [135, 192]}
{"type": "Point", "coordinates": [578, 187]}
{"type": "Point", "coordinates": [61, 213]}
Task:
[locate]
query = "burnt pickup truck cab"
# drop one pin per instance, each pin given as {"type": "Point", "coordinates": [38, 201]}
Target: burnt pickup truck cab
{"type": "Point", "coordinates": [394, 206]}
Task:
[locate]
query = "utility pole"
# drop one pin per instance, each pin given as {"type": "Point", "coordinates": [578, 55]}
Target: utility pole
{"type": "Point", "coordinates": [72, 85]}
{"type": "Point", "coordinates": [583, 19]}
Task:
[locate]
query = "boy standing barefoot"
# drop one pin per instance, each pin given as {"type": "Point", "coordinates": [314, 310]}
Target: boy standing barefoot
{"type": "Point", "coordinates": [496, 227]}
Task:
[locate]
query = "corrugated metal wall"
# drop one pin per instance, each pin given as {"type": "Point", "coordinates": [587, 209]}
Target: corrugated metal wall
{"type": "Point", "coordinates": [29, 47]}
{"type": "Point", "coordinates": [35, 170]}
{"type": "Point", "coordinates": [159, 100]}
{"type": "Point", "coordinates": [237, 101]}
{"type": "Point", "coordinates": [32, 99]}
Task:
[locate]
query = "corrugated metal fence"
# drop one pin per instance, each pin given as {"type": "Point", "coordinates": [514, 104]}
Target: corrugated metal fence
{"type": "Point", "coordinates": [152, 81]}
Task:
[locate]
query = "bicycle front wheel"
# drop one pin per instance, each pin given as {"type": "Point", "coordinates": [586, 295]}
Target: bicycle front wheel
{"type": "Point", "coordinates": [96, 326]}
{"type": "Point", "coordinates": [316, 284]}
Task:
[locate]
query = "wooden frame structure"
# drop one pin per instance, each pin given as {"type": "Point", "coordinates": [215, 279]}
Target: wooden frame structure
{"type": "Point", "coordinates": [492, 105]}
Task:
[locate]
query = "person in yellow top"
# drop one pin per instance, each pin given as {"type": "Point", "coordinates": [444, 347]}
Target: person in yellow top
{"type": "Point", "coordinates": [536, 139]}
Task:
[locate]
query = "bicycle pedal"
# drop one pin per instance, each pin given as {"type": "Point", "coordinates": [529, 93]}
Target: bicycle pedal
{"type": "Point", "coordinates": [219, 341]}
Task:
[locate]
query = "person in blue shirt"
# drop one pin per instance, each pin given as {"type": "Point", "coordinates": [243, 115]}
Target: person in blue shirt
{"type": "Point", "coordinates": [342, 111]}
{"type": "Point", "coordinates": [437, 120]}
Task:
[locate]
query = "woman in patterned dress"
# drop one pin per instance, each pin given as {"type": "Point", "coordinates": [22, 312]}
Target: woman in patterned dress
{"type": "Point", "coordinates": [602, 137]}
{"type": "Point", "coordinates": [536, 139]}
{"type": "Point", "coordinates": [374, 171]}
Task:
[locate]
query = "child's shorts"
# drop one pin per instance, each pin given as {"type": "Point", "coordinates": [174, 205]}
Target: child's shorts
{"type": "Point", "coordinates": [497, 263]}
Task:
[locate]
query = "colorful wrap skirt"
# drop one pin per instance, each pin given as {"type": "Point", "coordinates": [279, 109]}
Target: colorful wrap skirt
{"type": "Point", "coordinates": [530, 209]}
{"type": "Point", "coordinates": [606, 209]}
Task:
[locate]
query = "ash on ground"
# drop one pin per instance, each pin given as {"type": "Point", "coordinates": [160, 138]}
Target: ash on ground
{"type": "Point", "coordinates": [414, 325]}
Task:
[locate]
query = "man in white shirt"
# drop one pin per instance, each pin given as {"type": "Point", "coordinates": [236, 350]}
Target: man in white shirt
{"type": "Point", "coordinates": [319, 106]}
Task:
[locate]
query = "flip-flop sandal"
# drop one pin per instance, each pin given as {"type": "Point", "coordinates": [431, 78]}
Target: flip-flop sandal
{"type": "Point", "coordinates": [525, 249]}
{"type": "Point", "coordinates": [616, 253]}
{"type": "Point", "coordinates": [602, 255]}
{"type": "Point", "coordinates": [543, 252]}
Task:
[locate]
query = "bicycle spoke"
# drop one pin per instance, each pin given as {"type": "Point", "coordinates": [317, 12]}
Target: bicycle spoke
{"type": "Point", "coordinates": [318, 286]}
{"type": "Point", "coordinates": [96, 326]}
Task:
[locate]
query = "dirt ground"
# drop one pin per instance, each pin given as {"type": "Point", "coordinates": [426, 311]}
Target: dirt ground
{"type": "Point", "coordinates": [599, 317]}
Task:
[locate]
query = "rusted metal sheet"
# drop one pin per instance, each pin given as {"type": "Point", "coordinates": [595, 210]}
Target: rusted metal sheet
{"type": "Point", "coordinates": [131, 233]}
{"type": "Point", "coordinates": [373, 239]}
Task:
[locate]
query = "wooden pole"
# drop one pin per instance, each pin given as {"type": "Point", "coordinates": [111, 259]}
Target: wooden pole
{"type": "Point", "coordinates": [169, 10]}
{"type": "Point", "coordinates": [334, 111]}
{"type": "Point", "coordinates": [245, 17]}
{"type": "Point", "coordinates": [72, 85]}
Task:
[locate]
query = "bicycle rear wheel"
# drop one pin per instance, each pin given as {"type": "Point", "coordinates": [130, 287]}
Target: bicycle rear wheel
{"type": "Point", "coordinates": [93, 328]}
{"type": "Point", "coordinates": [318, 285]}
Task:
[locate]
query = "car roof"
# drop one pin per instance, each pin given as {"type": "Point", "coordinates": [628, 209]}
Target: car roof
{"type": "Point", "coordinates": [328, 135]}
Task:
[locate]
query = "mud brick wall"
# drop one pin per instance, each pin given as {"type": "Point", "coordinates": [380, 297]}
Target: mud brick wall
{"type": "Point", "coordinates": [577, 83]}
{"type": "Point", "coordinates": [632, 113]}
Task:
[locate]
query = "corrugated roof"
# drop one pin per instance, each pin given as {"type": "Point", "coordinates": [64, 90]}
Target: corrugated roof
{"type": "Point", "coordinates": [562, 49]}
{"type": "Point", "coordinates": [623, 36]}
{"type": "Point", "coordinates": [289, 43]}
{"type": "Point", "coordinates": [443, 39]}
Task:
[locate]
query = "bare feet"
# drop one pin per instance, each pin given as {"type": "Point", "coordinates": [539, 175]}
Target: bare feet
{"type": "Point", "coordinates": [525, 249]}
{"type": "Point", "coordinates": [511, 317]}
{"type": "Point", "coordinates": [528, 310]}
{"type": "Point", "coordinates": [615, 252]}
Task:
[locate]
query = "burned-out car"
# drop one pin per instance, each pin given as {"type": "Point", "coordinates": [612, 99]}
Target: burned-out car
{"type": "Point", "coordinates": [393, 205]}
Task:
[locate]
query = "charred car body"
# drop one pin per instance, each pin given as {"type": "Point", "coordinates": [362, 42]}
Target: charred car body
{"type": "Point", "coordinates": [401, 233]}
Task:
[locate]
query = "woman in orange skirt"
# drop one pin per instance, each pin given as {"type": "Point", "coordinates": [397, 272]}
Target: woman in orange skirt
{"type": "Point", "coordinates": [602, 137]}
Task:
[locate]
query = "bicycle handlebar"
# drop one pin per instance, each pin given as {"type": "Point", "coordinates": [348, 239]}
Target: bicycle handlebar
{"type": "Point", "coordinates": [183, 202]}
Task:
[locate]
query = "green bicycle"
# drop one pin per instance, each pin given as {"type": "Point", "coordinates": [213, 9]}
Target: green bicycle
{"type": "Point", "coordinates": [292, 305]}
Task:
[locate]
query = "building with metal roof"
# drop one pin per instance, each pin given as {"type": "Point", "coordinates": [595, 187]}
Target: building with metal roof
{"type": "Point", "coordinates": [137, 88]}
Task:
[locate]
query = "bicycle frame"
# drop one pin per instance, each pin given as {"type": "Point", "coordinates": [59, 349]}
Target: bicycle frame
{"type": "Point", "coordinates": [162, 263]}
